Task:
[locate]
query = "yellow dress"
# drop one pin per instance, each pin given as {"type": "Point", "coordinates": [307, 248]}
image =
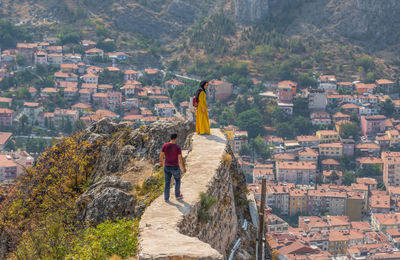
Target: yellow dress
{"type": "Point", "coordinates": [202, 121]}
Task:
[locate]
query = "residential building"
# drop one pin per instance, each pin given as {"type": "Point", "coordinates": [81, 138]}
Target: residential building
{"type": "Point", "coordinates": [173, 83]}
{"type": "Point", "coordinates": [100, 100]}
{"type": "Point", "coordinates": [70, 94]}
{"type": "Point", "coordinates": [354, 205]}
{"type": "Point", "coordinates": [348, 147]}
{"type": "Point", "coordinates": [8, 168]}
{"type": "Point", "coordinates": [317, 100]}
{"type": "Point", "coordinates": [41, 58]}
{"type": "Point", "coordinates": [363, 88]}
{"type": "Point", "coordinates": [5, 102]}
{"type": "Point", "coordinates": [85, 96]}
{"type": "Point", "coordinates": [308, 154]}
{"type": "Point", "coordinates": [286, 91]}
{"type": "Point", "coordinates": [391, 168]}
{"type": "Point", "coordinates": [239, 138]}
{"type": "Point", "coordinates": [384, 221]}
{"type": "Point", "coordinates": [94, 52]}
{"type": "Point", "coordinates": [297, 202]}
{"type": "Point", "coordinates": [131, 75]}
{"type": "Point", "coordinates": [62, 116]}
{"type": "Point", "coordinates": [6, 117]}
{"type": "Point", "coordinates": [368, 149]}
{"type": "Point", "coordinates": [114, 99]}
{"type": "Point", "coordinates": [327, 82]}
{"type": "Point", "coordinates": [339, 116]}
{"type": "Point", "coordinates": [327, 136]}
{"type": "Point", "coordinates": [308, 140]}
{"type": "Point", "coordinates": [275, 224]}
{"type": "Point", "coordinates": [32, 110]}
{"type": "Point", "coordinates": [55, 58]}
{"type": "Point", "coordinates": [385, 85]}
{"type": "Point", "coordinates": [331, 149]}
{"type": "Point", "coordinates": [379, 203]}
{"type": "Point", "coordinates": [219, 90]}
{"type": "Point", "coordinates": [90, 78]}
{"type": "Point", "coordinates": [296, 172]}
{"type": "Point", "coordinates": [164, 110]}
{"type": "Point", "coordinates": [277, 197]}
{"type": "Point", "coordinates": [4, 137]}
{"type": "Point", "coordinates": [372, 125]}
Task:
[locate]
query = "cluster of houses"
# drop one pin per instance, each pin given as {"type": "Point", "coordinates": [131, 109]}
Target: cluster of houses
{"type": "Point", "coordinates": [305, 175]}
{"type": "Point", "coordinates": [335, 237]}
{"type": "Point", "coordinates": [80, 83]}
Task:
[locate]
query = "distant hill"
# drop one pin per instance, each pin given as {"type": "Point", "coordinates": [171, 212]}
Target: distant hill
{"type": "Point", "coordinates": [336, 30]}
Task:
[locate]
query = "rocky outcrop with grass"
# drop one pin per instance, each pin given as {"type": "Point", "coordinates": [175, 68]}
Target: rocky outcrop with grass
{"type": "Point", "coordinates": [83, 192]}
{"type": "Point", "coordinates": [124, 153]}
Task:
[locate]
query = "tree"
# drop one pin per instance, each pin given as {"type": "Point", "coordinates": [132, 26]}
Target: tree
{"type": "Point", "coordinates": [302, 126]}
{"type": "Point", "coordinates": [307, 80]}
{"type": "Point", "coordinates": [260, 147]}
{"type": "Point", "coordinates": [20, 59]}
{"type": "Point", "coordinates": [251, 121]}
{"type": "Point", "coordinates": [348, 178]}
{"type": "Point", "coordinates": [388, 107]}
{"type": "Point", "coordinates": [241, 105]}
{"type": "Point", "coordinates": [244, 150]}
{"type": "Point", "coordinates": [370, 77]}
{"type": "Point", "coordinates": [67, 127]}
{"type": "Point", "coordinates": [284, 130]}
{"type": "Point", "coordinates": [334, 176]}
{"type": "Point", "coordinates": [23, 124]}
{"type": "Point", "coordinates": [300, 107]}
{"type": "Point", "coordinates": [349, 129]}
{"type": "Point", "coordinates": [370, 170]}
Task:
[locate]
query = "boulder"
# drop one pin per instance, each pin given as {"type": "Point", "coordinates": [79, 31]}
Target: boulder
{"type": "Point", "coordinates": [109, 198]}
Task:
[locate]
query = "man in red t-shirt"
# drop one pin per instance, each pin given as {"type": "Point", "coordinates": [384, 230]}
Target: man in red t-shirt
{"type": "Point", "coordinates": [173, 155]}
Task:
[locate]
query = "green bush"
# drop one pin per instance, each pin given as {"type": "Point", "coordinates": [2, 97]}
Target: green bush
{"type": "Point", "coordinates": [206, 202]}
{"type": "Point", "coordinates": [106, 240]}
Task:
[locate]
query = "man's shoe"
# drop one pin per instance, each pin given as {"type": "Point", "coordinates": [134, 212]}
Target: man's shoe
{"type": "Point", "coordinates": [180, 197]}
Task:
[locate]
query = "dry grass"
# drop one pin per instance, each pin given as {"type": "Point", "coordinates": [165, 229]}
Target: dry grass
{"type": "Point", "coordinates": [226, 159]}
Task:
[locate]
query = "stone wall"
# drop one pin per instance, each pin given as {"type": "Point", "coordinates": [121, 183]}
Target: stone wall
{"type": "Point", "coordinates": [174, 231]}
{"type": "Point", "coordinates": [227, 186]}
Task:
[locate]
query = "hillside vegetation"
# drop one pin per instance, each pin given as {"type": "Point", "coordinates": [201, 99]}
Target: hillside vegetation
{"type": "Point", "coordinates": [39, 218]}
{"type": "Point", "coordinates": [293, 40]}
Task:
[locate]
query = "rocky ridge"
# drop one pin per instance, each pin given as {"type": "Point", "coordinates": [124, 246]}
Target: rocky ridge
{"type": "Point", "coordinates": [110, 196]}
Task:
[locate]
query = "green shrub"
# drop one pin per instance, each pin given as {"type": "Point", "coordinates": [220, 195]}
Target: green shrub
{"type": "Point", "coordinates": [206, 202]}
{"type": "Point", "coordinates": [106, 240]}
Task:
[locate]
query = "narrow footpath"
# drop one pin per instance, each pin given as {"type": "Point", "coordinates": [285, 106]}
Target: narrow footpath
{"type": "Point", "coordinates": [159, 234]}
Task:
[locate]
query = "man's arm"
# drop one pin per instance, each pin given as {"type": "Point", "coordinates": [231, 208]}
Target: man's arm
{"type": "Point", "coordinates": [162, 159]}
{"type": "Point", "coordinates": [182, 163]}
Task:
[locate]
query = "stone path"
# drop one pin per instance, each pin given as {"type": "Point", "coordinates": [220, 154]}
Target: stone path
{"type": "Point", "coordinates": [159, 235]}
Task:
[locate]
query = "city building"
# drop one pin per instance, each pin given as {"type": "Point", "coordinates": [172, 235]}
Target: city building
{"type": "Point", "coordinates": [372, 125]}
{"type": "Point", "coordinates": [296, 172]}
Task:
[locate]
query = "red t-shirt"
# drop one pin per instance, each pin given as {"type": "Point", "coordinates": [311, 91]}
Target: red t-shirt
{"type": "Point", "coordinates": [171, 152]}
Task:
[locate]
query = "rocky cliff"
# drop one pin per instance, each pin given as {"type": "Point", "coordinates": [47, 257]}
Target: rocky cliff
{"type": "Point", "coordinates": [250, 11]}
{"type": "Point", "coordinates": [123, 155]}
{"type": "Point", "coordinates": [106, 172]}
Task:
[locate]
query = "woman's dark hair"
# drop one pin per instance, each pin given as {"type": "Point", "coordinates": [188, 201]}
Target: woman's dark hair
{"type": "Point", "coordinates": [203, 83]}
{"type": "Point", "coordinates": [202, 88]}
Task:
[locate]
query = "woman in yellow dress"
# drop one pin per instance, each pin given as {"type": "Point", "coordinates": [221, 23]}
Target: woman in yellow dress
{"type": "Point", "coordinates": [202, 120]}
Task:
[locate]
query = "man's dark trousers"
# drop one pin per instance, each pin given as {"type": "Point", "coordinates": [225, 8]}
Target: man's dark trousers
{"type": "Point", "coordinates": [170, 171]}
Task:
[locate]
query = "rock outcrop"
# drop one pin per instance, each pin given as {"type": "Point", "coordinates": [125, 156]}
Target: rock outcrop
{"type": "Point", "coordinates": [251, 11]}
{"type": "Point", "coordinates": [110, 197]}
{"type": "Point", "coordinates": [107, 199]}
{"type": "Point", "coordinates": [187, 229]}
{"type": "Point", "coordinates": [143, 143]}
